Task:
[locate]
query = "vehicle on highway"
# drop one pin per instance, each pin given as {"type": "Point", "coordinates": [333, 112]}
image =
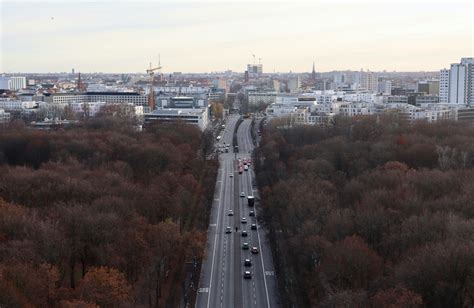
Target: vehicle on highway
{"type": "Point", "coordinates": [253, 226]}
{"type": "Point", "coordinates": [231, 175]}
{"type": "Point", "coordinates": [244, 233]}
{"type": "Point", "coordinates": [247, 275]}
{"type": "Point", "coordinates": [247, 262]}
{"type": "Point", "coordinates": [226, 150]}
{"type": "Point", "coordinates": [252, 213]}
{"type": "Point", "coordinates": [218, 137]}
{"type": "Point", "coordinates": [254, 250]}
{"type": "Point", "coordinates": [228, 230]}
{"type": "Point", "coordinates": [251, 200]}
{"type": "Point", "coordinates": [241, 169]}
{"type": "Point", "coordinates": [230, 213]}
{"type": "Point", "coordinates": [242, 195]}
{"type": "Point", "coordinates": [245, 246]}
{"type": "Point", "coordinates": [246, 168]}
{"type": "Point", "coordinates": [243, 220]}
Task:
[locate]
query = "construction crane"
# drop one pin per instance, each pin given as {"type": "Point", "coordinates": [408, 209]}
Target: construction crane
{"type": "Point", "coordinates": [151, 95]}
{"type": "Point", "coordinates": [259, 60]}
{"type": "Point", "coordinates": [253, 59]}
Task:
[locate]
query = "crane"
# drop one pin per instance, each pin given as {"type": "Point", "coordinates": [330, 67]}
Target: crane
{"type": "Point", "coordinates": [259, 60]}
{"type": "Point", "coordinates": [253, 59]}
{"type": "Point", "coordinates": [151, 95]}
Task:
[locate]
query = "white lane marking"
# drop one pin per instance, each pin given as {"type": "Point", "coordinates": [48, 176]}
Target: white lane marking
{"type": "Point", "coordinates": [215, 242]}
{"type": "Point", "coordinates": [212, 225]}
{"type": "Point", "coordinates": [260, 248]}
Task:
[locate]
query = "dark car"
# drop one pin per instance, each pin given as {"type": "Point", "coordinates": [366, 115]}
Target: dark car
{"type": "Point", "coordinates": [247, 275]}
{"type": "Point", "coordinates": [228, 230]}
{"type": "Point", "coordinates": [252, 213]}
{"type": "Point", "coordinates": [253, 227]}
{"type": "Point", "coordinates": [247, 262]}
{"type": "Point", "coordinates": [244, 233]}
{"type": "Point", "coordinates": [245, 246]}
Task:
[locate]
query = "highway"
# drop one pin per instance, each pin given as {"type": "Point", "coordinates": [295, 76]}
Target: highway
{"type": "Point", "coordinates": [222, 282]}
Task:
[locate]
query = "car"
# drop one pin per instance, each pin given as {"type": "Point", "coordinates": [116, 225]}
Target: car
{"type": "Point", "coordinates": [228, 230]}
{"type": "Point", "coordinates": [247, 275]}
{"type": "Point", "coordinates": [254, 250]}
{"type": "Point", "coordinates": [242, 195]}
{"type": "Point", "coordinates": [245, 246]}
{"type": "Point", "coordinates": [243, 220]}
{"type": "Point", "coordinates": [244, 233]}
{"type": "Point", "coordinates": [253, 226]}
{"type": "Point", "coordinates": [247, 262]}
{"type": "Point", "coordinates": [230, 213]}
{"type": "Point", "coordinates": [252, 213]}
{"type": "Point", "coordinates": [231, 175]}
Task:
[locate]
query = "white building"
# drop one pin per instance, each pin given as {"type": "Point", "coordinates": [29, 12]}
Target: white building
{"type": "Point", "coordinates": [294, 84]}
{"type": "Point", "coordinates": [444, 86]}
{"type": "Point", "coordinates": [197, 116]}
{"type": "Point", "coordinates": [4, 116]}
{"type": "Point", "coordinates": [457, 83]}
{"type": "Point", "coordinates": [17, 83]}
{"type": "Point", "coordinates": [255, 98]}
{"type": "Point", "coordinates": [385, 87]}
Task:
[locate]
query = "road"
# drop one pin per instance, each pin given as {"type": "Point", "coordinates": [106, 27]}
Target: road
{"type": "Point", "coordinates": [221, 281]}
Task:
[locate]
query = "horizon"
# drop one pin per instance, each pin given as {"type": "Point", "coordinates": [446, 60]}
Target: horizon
{"type": "Point", "coordinates": [205, 37]}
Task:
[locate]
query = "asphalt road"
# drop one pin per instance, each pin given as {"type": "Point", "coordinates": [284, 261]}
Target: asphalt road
{"type": "Point", "coordinates": [221, 282]}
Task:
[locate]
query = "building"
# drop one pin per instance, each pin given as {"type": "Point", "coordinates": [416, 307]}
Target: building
{"type": "Point", "coordinates": [17, 83]}
{"type": "Point", "coordinates": [465, 115]}
{"type": "Point", "coordinates": [255, 70]}
{"type": "Point", "coordinates": [4, 116]}
{"type": "Point", "coordinates": [294, 84]}
{"type": "Point", "coordinates": [107, 97]}
{"type": "Point", "coordinates": [368, 81]}
{"type": "Point", "coordinates": [460, 83]}
{"type": "Point", "coordinates": [444, 86]}
{"type": "Point", "coordinates": [197, 116]}
{"type": "Point", "coordinates": [429, 87]}
{"type": "Point", "coordinates": [395, 99]}
{"type": "Point", "coordinates": [196, 101]}
{"type": "Point", "coordinates": [385, 87]}
{"type": "Point", "coordinates": [256, 98]}
{"type": "Point", "coordinates": [4, 82]}
{"type": "Point", "coordinates": [426, 99]}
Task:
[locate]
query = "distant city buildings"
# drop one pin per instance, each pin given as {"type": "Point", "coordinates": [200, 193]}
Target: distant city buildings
{"type": "Point", "coordinates": [457, 83]}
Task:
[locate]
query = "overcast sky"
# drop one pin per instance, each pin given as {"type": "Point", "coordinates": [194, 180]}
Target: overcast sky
{"type": "Point", "coordinates": [191, 36]}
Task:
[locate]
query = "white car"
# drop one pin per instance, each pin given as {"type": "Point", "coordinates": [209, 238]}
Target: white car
{"type": "Point", "coordinates": [231, 175]}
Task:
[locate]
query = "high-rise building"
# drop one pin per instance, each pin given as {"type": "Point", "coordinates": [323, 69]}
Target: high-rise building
{"type": "Point", "coordinates": [385, 87]}
{"type": "Point", "coordinates": [444, 86]}
{"type": "Point", "coordinates": [255, 69]}
{"type": "Point", "coordinates": [460, 83]}
{"type": "Point", "coordinates": [294, 84]}
{"type": "Point", "coordinates": [369, 81]}
{"type": "Point", "coordinates": [17, 83]}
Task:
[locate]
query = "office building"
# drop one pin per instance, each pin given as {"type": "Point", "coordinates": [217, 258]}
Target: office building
{"type": "Point", "coordinates": [429, 87]}
{"type": "Point", "coordinates": [294, 84]}
{"type": "Point", "coordinates": [198, 116]}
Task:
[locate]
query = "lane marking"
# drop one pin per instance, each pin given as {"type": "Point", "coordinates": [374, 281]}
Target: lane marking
{"type": "Point", "coordinates": [260, 248]}
{"type": "Point", "coordinates": [215, 242]}
{"type": "Point", "coordinates": [270, 273]}
{"type": "Point", "coordinates": [203, 290]}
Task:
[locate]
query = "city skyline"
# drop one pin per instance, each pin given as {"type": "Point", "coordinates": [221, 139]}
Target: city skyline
{"type": "Point", "coordinates": [193, 37]}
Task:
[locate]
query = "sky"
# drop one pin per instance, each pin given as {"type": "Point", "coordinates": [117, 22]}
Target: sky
{"type": "Point", "coordinates": [195, 36]}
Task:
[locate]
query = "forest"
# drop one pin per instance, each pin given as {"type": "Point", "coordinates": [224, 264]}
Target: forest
{"type": "Point", "coordinates": [102, 215]}
{"type": "Point", "coordinates": [370, 212]}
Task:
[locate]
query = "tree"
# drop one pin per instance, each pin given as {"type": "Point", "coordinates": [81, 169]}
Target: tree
{"type": "Point", "coordinates": [105, 286]}
{"type": "Point", "coordinates": [397, 297]}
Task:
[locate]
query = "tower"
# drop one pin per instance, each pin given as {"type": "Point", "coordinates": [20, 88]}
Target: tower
{"type": "Point", "coordinates": [313, 73]}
